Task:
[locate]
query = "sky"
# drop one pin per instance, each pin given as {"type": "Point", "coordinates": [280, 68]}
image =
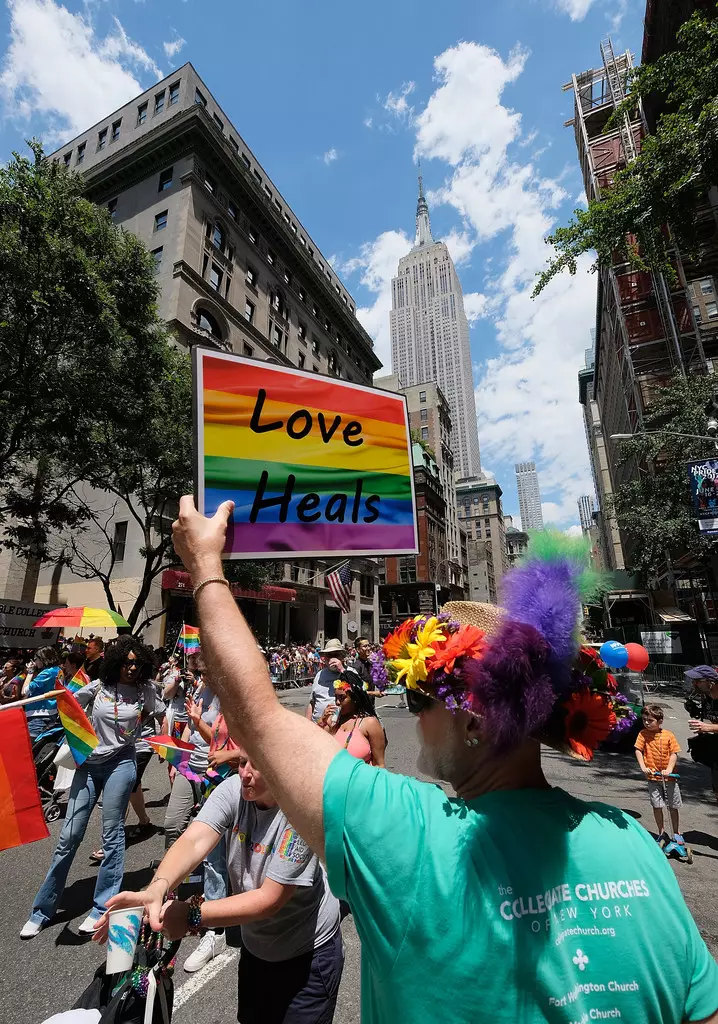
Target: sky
{"type": "Point", "coordinates": [340, 102]}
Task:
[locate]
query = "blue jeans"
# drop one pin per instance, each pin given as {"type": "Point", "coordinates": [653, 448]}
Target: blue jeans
{"type": "Point", "coordinates": [38, 724]}
{"type": "Point", "coordinates": [115, 779]}
{"type": "Point", "coordinates": [215, 872]}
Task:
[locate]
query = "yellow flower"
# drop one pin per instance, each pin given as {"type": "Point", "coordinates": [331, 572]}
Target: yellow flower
{"type": "Point", "coordinates": [413, 668]}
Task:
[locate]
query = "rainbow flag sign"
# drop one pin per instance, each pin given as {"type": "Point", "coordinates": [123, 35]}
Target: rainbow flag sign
{"type": "Point", "coordinates": [79, 680]}
{"type": "Point", "coordinates": [315, 466]}
{"type": "Point", "coordinates": [174, 752]}
{"type": "Point", "coordinates": [188, 639]}
{"type": "Point", "coordinates": [80, 735]}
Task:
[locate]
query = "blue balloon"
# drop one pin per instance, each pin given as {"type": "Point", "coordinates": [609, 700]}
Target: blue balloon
{"type": "Point", "coordinates": [614, 654]}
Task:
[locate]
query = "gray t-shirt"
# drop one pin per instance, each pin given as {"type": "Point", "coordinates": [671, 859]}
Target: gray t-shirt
{"type": "Point", "coordinates": [262, 844]}
{"type": "Point", "coordinates": [322, 691]}
{"type": "Point", "coordinates": [199, 758]}
{"type": "Point", "coordinates": [119, 729]}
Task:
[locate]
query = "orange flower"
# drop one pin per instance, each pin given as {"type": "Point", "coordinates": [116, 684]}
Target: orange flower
{"type": "Point", "coordinates": [589, 720]}
{"type": "Point", "coordinates": [396, 644]}
{"type": "Point", "coordinates": [467, 642]}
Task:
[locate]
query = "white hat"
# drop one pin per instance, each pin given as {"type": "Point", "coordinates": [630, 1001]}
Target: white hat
{"type": "Point", "coordinates": [333, 647]}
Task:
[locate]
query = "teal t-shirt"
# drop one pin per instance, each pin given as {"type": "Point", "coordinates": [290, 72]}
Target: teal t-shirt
{"type": "Point", "coordinates": [521, 906]}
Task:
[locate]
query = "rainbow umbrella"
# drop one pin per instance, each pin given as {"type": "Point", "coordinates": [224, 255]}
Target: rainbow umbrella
{"type": "Point", "coordinates": [74, 618]}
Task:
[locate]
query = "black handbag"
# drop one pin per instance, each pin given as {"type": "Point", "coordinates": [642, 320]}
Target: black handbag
{"type": "Point", "coordinates": [142, 995]}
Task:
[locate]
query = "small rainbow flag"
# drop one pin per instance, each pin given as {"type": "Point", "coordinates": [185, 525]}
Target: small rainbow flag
{"type": "Point", "coordinates": [79, 680]}
{"type": "Point", "coordinates": [21, 817]}
{"type": "Point", "coordinates": [80, 735]}
{"type": "Point", "coordinates": [174, 752]}
{"type": "Point", "coordinates": [188, 640]}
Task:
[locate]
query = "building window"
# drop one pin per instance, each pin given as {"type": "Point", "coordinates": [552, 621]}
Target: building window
{"type": "Point", "coordinates": [258, 176]}
{"type": "Point", "coordinates": [232, 210]}
{"type": "Point", "coordinates": [80, 153]}
{"type": "Point", "coordinates": [246, 161]}
{"type": "Point", "coordinates": [174, 94]}
{"type": "Point", "coordinates": [160, 102]}
{"type": "Point", "coordinates": [247, 350]}
{"type": "Point", "coordinates": [206, 322]}
{"type": "Point", "coordinates": [315, 368]}
{"type": "Point", "coordinates": [219, 239]}
{"type": "Point", "coordinates": [234, 144]}
{"type": "Point", "coordinates": [249, 311]}
{"type": "Point", "coordinates": [366, 585]}
{"type": "Point", "coordinates": [199, 98]}
{"type": "Point", "coordinates": [315, 346]}
{"type": "Point", "coordinates": [215, 277]}
{"type": "Point", "coordinates": [407, 569]}
{"type": "Point", "coordinates": [116, 129]}
{"type": "Point", "coordinates": [165, 180]}
{"type": "Point", "coordinates": [697, 312]}
{"type": "Point", "coordinates": [424, 415]}
{"type": "Point", "coordinates": [302, 294]}
{"type": "Point", "coordinates": [315, 310]}
{"type": "Point", "coordinates": [707, 285]}
{"type": "Point", "coordinates": [141, 113]}
{"type": "Point", "coordinates": [209, 183]}
{"type": "Point", "coordinates": [270, 257]}
{"type": "Point", "coordinates": [119, 541]}
{"type": "Point", "coordinates": [253, 236]}
{"type": "Point", "coordinates": [424, 433]}
{"type": "Point", "coordinates": [302, 331]}
{"type": "Point", "coordinates": [112, 207]}
{"type": "Point", "coordinates": [422, 396]}
{"type": "Point", "coordinates": [101, 139]}
{"type": "Point", "coordinates": [157, 257]}
{"type": "Point", "coordinates": [277, 337]}
{"type": "Point", "coordinates": [287, 277]}
{"type": "Point", "coordinates": [161, 221]}
{"type": "Point", "coordinates": [251, 277]}
{"type": "Point", "coordinates": [219, 122]}
{"type": "Point", "coordinates": [711, 310]}
{"type": "Point", "coordinates": [300, 360]}
{"type": "Point", "coordinates": [67, 158]}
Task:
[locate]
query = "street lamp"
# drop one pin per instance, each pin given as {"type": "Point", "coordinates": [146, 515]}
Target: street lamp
{"type": "Point", "coordinates": [712, 426]}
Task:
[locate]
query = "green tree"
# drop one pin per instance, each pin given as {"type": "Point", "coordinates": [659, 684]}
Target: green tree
{"type": "Point", "coordinates": [655, 508]}
{"type": "Point", "coordinates": [674, 170]}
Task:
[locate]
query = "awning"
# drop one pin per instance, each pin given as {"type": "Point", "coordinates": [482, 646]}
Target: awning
{"type": "Point", "coordinates": [175, 579]}
{"type": "Point", "coordinates": [673, 615]}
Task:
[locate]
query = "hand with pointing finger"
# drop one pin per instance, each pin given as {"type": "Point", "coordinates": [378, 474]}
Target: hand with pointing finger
{"type": "Point", "coordinates": [199, 541]}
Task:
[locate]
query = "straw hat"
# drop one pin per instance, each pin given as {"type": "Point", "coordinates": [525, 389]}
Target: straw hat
{"type": "Point", "coordinates": [487, 617]}
{"type": "Point", "coordinates": [333, 647]}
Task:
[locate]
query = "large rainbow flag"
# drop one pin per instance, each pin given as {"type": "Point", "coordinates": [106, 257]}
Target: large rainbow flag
{"type": "Point", "coordinates": [21, 817]}
{"type": "Point", "coordinates": [313, 465]}
{"type": "Point", "coordinates": [80, 735]}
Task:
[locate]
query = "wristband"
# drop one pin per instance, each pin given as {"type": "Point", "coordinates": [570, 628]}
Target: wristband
{"type": "Point", "coordinates": [194, 913]}
{"type": "Point", "coordinates": [159, 878]}
{"type": "Point", "coordinates": [210, 579]}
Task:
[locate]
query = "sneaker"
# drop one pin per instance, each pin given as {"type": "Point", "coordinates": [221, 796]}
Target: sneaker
{"type": "Point", "coordinates": [210, 946]}
{"type": "Point", "coordinates": [30, 929]}
{"type": "Point", "coordinates": [88, 925]}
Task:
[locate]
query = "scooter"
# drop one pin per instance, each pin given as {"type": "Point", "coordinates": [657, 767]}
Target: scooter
{"type": "Point", "coordinates": [677, 845]}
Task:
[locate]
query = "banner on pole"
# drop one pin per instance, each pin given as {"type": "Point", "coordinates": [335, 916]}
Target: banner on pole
{"type": "Point", "coordinates": [315, 466]}
{"type": "Point", "coordinates": [703, 479]}
{"type": "Point", "coordinates": [17, 620]}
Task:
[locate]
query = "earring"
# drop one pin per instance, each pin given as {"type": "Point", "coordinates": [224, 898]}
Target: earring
{"type": "Point", "coordinates": [473, 742]}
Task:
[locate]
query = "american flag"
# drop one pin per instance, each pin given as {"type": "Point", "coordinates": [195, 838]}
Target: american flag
{"type": "Point", "coordinates": [339, 583]}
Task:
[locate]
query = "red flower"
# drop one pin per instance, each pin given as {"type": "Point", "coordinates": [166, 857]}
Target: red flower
{"type": "Point", "coordinates": [467, 642]}
{"type": "Point", "coordinates": [589, 719]}
{"type": "Point", "coordinates": [395, 645]}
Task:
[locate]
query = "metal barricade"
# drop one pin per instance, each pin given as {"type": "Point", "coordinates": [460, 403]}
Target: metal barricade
{"type": "Point", "coordinates": [292, 676]}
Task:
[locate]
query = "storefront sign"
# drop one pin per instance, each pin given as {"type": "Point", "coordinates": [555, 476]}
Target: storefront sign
{"type": "Point", "coordinates": [315, 466]}
{"type": "Point", "coordinates": [662, 641]}
{"type": "Point", "coordinates": [703, 479]}
{"type": "Point", "coordinates": [16, 619]}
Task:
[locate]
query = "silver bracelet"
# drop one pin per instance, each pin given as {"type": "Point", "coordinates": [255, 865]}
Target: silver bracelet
{"type": "Point", "coordinates": [211, 579]}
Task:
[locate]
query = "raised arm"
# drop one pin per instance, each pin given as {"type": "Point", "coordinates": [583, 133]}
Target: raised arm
{"type": "Point", "coordinates": [275, 738]}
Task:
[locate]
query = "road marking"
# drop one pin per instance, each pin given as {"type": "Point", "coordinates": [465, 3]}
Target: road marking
{"type": "Point", "coordinates": [200, 979]}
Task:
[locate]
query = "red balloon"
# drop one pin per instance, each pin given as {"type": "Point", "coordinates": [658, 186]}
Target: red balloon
{"type": "Point", "coordinates": [637, 658]}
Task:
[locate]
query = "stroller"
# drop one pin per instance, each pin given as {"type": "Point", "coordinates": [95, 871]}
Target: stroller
{"type": "Point", "coordinates": [44, 749]}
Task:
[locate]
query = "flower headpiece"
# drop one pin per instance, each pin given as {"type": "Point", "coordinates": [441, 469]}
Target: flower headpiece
{"type": "Point", "coordinates": [520, 669]}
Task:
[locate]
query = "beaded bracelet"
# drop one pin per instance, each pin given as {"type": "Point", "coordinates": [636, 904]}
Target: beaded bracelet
{"type": "Point", "coordinates": [210, 579]}
{"type": "Point", "coordinates": [194, 914]}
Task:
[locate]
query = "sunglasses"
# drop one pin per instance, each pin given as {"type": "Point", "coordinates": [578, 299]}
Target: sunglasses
{"type": "Point", "coordinates": [417, 702]}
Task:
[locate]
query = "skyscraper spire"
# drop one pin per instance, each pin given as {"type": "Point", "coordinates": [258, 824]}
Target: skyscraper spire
{"type": "Point", "coordinates": [423, 227]}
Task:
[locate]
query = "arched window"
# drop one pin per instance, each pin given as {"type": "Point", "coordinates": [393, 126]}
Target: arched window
{"type": "Point", "coordinates": [206, 322]}
{"type": "Point", "coordinates": [219, 238]}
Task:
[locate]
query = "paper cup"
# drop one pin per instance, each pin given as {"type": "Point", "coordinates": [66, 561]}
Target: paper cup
{"type": "Point", "coordinates": [122, 938]}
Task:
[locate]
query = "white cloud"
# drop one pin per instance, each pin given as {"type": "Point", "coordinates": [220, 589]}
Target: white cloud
{"type": "Point", "coordinates": [460, 245]}
{"type": "Point", "coordinates": [377, 262]}
{"type": "Point", "coordinates": [368, 122]}
{"type": "Point", "coordinates": [397, 103]}
{"type": "Point", "coordinates": [172, 47]}
{"type": "Point", "coordinates": [574, 531]}
{"type": "Point", "coordinates": [475, 304]}
{"type": "Point", "coordinates": [576, 9]}
{"type": "Point", "coordinates": [56, 68]}
{"type": "Point", "coordinates": [330, 156]}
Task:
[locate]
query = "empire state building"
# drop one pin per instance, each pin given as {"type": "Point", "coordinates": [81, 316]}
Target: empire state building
{"type": "Point", "coordinates": [430, 334]}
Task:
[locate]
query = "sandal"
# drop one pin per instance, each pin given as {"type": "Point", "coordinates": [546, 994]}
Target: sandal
{"type": "Point", "coordinates": [97, 856]}
{"type": "Point", "coordinates": [140, 830]}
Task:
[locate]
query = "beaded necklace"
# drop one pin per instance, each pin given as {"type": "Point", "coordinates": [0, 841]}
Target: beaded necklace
{"type": "Point", "coordinates": [126, 734]}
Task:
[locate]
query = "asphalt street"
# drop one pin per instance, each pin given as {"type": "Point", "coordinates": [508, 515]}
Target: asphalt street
{"type": "Point", "coordinates": [47, 974]}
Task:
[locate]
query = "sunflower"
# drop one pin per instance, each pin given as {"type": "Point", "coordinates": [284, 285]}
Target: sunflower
{"type": "Point", "coordinates": [467, 642]}
{"type": "Point", "coordinates": [589, 719]}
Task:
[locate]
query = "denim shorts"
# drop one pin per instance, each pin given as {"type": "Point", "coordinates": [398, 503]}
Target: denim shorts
{"type": "Point", "coordinates": [302, 990]}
